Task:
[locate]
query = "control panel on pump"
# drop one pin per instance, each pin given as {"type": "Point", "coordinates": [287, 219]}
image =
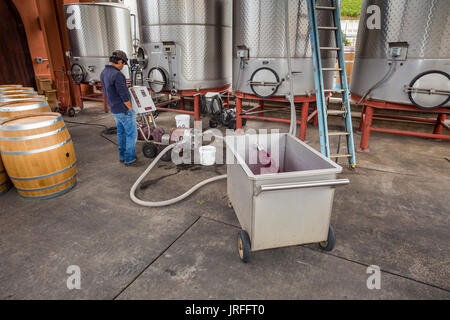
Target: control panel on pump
{"type": "Point", "coordinates": [141, 100]}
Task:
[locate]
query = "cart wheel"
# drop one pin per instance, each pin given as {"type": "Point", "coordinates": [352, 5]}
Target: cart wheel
{"type": "Point", "coordinates": [71, 112]}
{"type": "Point", "coordinates": [330, 243]}
{"type": "Point", "coordinates": [213, 124]}
{"type": "Point", "coordinates": [230, 204]}
{"type": "Point", "coordinates": [232, 125]}
{"type": "Point", "coordinates": [244, 246]}
{"type": "Point", "coordinates": [150, 150]}
{"type": "Point", "coordinates": [166, 157]}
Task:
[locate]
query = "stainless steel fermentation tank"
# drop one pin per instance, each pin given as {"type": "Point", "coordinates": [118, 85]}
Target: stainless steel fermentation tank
{"type": "Point", "coordinates": [95, 31]}
{"type": "Point", "coordinates": [412, 50]}
{"type": "Point", "coordinates": [187, 42]}
{"type": "Point", "coordinates": [260, 64]}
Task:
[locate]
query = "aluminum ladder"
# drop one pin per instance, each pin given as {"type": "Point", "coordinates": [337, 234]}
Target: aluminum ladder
{"type": "Point", "coordinates": [322, 107]}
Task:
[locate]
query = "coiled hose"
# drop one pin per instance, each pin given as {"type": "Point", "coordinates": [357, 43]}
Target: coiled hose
{"type": "Point", "coordinates": [172, 201]}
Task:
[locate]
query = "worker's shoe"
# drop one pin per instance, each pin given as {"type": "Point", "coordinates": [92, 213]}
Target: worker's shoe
{"type": "Point", "coordinates": [135, 164]}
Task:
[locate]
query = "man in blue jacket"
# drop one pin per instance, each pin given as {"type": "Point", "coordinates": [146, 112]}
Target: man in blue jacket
{"type": "Point", "coordinates": [119, 100]}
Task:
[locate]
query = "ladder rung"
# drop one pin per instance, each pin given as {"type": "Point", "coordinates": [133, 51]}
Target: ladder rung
{"type": "Point", "coordinates": [336, 112]}
{"type": "Point", "coordinates": [334, 90]}
{"type": "Point", "coordinates": [325, 8]}
{"type": "Point", "coordinates": [328, 28]}
{"type": "Point", "coordinates": [330, 48]}
{"type": "Point", "coordinates": [333, 156]}
{"type": "Point", "coordinates": [332, 69]}
{"type": "Point", "coordinates": [338, 133]}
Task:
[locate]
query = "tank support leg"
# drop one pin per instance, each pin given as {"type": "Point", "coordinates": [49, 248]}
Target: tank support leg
{"type": "Point", "coordinates": [79, 97]}
{"type": "Point", "coordinates": [439, 123]}
{"type": "Point", "coordinates": [367, 125]}
{"type": "Point", "coordinates": [238, 113]}
{"type": "Point", "coordinates": [363, 114]}
{"type": "Point", "coordinates": [197, 107]}
{"type": "Point", "coordinates": [304, 121]}
{"type": "Point", "coordinates": [261, 108]}
{"type": "Point", "coordinates": [105, 103]}
{"type": "Point", "coordinates": [182, 103]}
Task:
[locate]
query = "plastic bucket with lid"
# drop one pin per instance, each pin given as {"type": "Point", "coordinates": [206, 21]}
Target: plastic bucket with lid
{"type": "Point", "coordinates": [183, 121]}
{"type": "Point", "coordinates": [207, 156]}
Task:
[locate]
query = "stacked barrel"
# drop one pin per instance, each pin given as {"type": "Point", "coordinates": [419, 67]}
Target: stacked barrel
{"type": "Point", "coordinates": [37, 154]}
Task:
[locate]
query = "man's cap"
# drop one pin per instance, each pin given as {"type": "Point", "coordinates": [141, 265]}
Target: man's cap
{"type": "Point", "coordinates": [121, 55]}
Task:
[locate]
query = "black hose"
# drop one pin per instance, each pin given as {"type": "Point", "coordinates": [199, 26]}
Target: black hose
{"type": "Point", "coordinates": [106, 131]}
{"type": "Point", "coordinates": [379, 83]}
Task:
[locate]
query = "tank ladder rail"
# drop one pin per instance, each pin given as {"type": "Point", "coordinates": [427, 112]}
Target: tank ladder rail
{"type": "Point", "coordinates": [322, 108]}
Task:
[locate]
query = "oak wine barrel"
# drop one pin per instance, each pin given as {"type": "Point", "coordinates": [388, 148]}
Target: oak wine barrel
{"type": "Point", "coordinates": [38, 154]}
{"type": "Point", "coordinates": [3, 86]}
{"type": "Point", "coordinates": [12, 89]}
{"type": "Point", "coordinates": [5, 183]}
{"type": "Point", "coordinates": [21, 97]}
{"type": "Point", "coordinates": [18, 108]}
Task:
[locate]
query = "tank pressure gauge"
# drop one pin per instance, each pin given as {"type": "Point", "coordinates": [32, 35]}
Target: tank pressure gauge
{"type": "Point", "coordinates": [243, 53]}
{"type": "Point", "coordinates": [398, 51]}
{"type": "Point", "coordinates": [169, 48]}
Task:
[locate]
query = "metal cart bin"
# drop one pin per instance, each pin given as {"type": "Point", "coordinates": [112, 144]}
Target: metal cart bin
{"type": "Point", "coordinates": [283, 209]}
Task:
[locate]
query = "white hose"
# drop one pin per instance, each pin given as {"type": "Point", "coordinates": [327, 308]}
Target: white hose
{"type": "Point", "coordinates": [293, 128]}
{"type": "Point", "coordinates": [168, 202]}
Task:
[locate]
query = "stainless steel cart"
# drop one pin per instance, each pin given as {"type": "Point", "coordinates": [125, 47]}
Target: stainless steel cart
{"type": "Point", "coordinates": [284, 209]}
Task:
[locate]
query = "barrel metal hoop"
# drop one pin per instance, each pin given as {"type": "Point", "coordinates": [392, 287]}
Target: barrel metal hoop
{"type": "Point", "coordinates": [31, 126]}
{"type": "Point", "coordinates": [3, 183]}
{"type": "Point", "coordinates": [23, 153]}
{"type": "Point", "coordinates": [37, 136]}
{"type": "Point", "coordinates": [46, 176]}
{"type": "Point", "coordinates": [50, 196]}
{"type": "Point", "coordinates": [48, 188]}
{"type": "Point", "coordinates": [24, 108]}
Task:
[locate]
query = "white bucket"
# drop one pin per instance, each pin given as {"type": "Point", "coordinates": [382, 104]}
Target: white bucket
{"type": "Point", "coordinates": [183, 121]}
{"type": "Point", "coordinates": [207, 156]}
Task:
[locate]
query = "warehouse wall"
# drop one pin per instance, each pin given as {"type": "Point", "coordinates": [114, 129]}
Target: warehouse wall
{"type": "Point", "coordinates": [16, 66]}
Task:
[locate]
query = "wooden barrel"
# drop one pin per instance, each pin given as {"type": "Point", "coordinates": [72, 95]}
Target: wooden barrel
{"type": "Point", "coordinates": [9, 89]}
{"type": "Point", "coordinates": [20, 98]}
{"type": "Point", "coordinates": [38, 154]}
{"type": "Point", "coordinates": [22, 107]}
{"type": "Point", "coordinates": [5, 183]}
{"type": "Point", "coordinates": [17, 93]}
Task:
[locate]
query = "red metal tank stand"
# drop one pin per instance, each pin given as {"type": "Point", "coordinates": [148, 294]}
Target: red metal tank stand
{"type": "Point", "coordinates": [305, 101]}
{"type": "Point", "coordinates": [194, 95]}
{"type": "Point", "coordinates": [97, 97]}
{"type": "Point", "coordinates": [368, 114]}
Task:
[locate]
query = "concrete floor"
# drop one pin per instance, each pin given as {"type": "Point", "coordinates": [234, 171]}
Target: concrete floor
{"type": "Point", "coordinates": [394, 214]}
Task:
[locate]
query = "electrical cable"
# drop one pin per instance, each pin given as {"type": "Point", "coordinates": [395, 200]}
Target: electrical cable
{"type": "Point", "coordinates": [388, 75]}
{"type": "Point", "coordinates": [107, 131]}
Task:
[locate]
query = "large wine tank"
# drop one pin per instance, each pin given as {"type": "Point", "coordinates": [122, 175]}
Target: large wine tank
{"type": "Point", "coordinates": [406, 60]}
{"type": "Point", "coordinates": [95, 31]}
{"type": "Point", "coordinates": [188, 43]}
{"type": "Point", "coordinates": [260, 63]}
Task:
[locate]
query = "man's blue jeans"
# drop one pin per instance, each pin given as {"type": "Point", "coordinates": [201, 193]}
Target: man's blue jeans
{"type": "Point", "coordinates": [126, 136]}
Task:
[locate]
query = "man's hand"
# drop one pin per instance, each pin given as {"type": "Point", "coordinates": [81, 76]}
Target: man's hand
{"type": "Point", "coordinates": [128, 105]}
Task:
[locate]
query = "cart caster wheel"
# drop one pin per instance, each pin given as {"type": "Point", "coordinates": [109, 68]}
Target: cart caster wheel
{"type": "Point", "coordinates": [213, 124]}
{"type": "Point", "coordinates": [232, 125]}
{"type": "Point", "coordinates": [244, 246]}
{"type": "Point", "coordinates": [230, 204]}
{"type": "Point", "coordinates": [71, 112]}
{"type": "Point", "coordinates": [330, 243]}
{"type": "Point", "coordinates": [166, 157]}
{"type": "Point", "coordinates": [150, 150]}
